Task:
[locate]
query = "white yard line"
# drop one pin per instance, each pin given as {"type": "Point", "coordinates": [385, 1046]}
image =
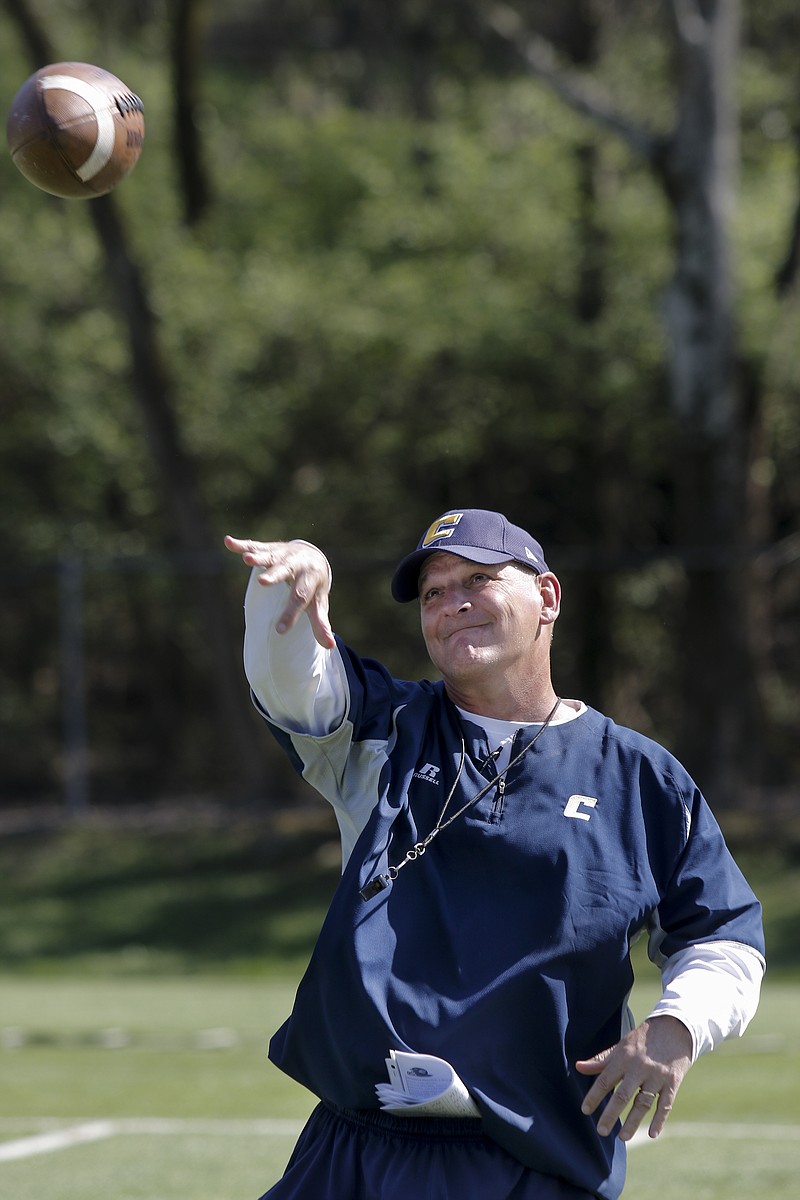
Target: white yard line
{"type": "Point", "coordinates": [96, 1131]}
{"type": "Point", "coordinates": [64, 1136]}
{"type": "Point", "coordinates": [56, 1139]}
{"type": "Point", "coordinates": [736, 1132]}
{"type": "Point", "coordinates": [719, 1132]}
{"type": "Point", "coordinates": [257, 1127]}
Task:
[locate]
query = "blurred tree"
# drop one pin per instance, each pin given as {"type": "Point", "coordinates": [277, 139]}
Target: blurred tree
{"type": "Point", "coordinates": [172, 462]}
{"type": "Point", "coordinates": [189, 22]}
{"type": "Point", "coordinates": [716, 391]}
{"type": "Point", "coordinates": [773, 28]}
{"type": "Point", "coordinates": [412, 286]}
{"type": "Point", "coordinates": [697, 164]}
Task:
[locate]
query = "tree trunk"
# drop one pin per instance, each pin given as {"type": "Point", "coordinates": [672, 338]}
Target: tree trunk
{"type": "Point", "coordinates": [188, 26]}
{"type": "Point", "coordinates": [183, 499]}
{"type": "Point", "coordinates": [173, 465]}
{"type": "Point", "coordinates": [699, 171]}
{"type": "Point", "coordinates": [594, 600]}
{"type": "Point", "coordinates": [697, 166]}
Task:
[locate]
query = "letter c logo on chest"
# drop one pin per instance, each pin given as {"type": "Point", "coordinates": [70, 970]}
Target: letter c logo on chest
{"type": "Point", "coordinates": [576, 803]}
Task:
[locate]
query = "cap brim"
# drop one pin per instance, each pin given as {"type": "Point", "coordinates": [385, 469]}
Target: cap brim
{"type": "Point", "coordinates": [405, 581]}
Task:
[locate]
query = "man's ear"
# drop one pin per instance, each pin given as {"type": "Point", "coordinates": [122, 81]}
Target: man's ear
{"type": "Point", "coordinates": [550, 591]}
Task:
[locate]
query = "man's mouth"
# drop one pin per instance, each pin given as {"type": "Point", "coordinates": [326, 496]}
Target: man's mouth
{"type": "Point", "coordinates": [465, 629]}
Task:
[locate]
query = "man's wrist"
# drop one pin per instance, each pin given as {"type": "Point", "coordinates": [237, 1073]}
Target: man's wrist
{"type": "Point", "coordinates": [659, 1014]}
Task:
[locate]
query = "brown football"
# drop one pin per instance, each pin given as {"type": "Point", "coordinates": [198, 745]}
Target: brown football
{"type": "Point", "coordinates": [75, 130]}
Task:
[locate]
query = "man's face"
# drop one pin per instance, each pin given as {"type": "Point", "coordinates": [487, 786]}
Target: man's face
{"type": "Point", "coordinates": [478, 618]}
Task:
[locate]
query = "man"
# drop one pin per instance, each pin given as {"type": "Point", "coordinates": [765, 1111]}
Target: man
{"type": "Point", "coordinates": [502, 849]}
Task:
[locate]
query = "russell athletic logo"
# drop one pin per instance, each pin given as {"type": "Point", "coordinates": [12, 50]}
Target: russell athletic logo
{"type": "Point", "coordinates": [429, 773]}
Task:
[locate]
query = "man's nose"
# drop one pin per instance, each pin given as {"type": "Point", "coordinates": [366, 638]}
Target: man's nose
{"type": "Point", "coordinates": [458, 600]}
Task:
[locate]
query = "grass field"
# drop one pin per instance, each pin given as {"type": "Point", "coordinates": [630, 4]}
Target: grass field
{"type": "Point", "coordinates": [170, 1079]}
{"type": "Point", "coordinates": [133, 1052]}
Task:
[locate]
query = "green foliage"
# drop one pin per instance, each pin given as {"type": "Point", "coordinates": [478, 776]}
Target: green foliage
{"type": "Point", "coordinates": [378, 317]}
{"type": "Point", "coordinates": [170, 896]}
{"type": "Point", "coordinates": [129, 949]}
{"type": "Point", "coordinates": [191, 888]}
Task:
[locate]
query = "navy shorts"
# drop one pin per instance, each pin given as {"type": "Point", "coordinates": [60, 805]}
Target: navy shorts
{"type": "Point", "coordinates": [371, 1155]}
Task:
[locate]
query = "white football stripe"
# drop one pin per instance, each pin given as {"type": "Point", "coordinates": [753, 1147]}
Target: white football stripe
{"type": "Point", "coordinates": [59, 1139]}
{"type": "Point", "coordinates": [97, 1131]}
{"type": "Point", "coordinates": [98, 100]}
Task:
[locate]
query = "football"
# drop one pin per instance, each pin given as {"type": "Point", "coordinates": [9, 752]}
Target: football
{"type": "Point", "coordinates": [75, 130]}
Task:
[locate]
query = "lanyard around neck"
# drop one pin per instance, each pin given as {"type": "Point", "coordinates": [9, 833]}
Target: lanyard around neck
{"type": "Point", "coordinates": [380, 882]}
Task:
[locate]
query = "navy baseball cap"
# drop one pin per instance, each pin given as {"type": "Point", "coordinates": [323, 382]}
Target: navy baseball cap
{"type": "Point", "coordinates": [473, 533]}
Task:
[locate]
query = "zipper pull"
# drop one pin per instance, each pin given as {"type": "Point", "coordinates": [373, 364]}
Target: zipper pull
{"type": "Point", "coordinates": [499, 800]}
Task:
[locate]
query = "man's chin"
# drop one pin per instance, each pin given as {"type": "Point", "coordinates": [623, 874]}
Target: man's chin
{"type": "Point", "coordinates": [467, 662]}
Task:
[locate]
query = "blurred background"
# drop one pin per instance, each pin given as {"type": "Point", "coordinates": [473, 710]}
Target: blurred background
{"type": "Point", "coordinates": [378, 259]}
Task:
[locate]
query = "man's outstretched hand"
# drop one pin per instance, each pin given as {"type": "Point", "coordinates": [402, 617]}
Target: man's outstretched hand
{"type": "Point", "coordinates": [304, 568]}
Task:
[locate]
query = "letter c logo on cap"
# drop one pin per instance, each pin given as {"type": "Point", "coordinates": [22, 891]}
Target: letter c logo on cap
{"type": "Point", "coordinates": [441, 528]}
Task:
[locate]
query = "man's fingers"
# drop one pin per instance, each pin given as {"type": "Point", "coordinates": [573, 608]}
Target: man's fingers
{"type": "Point", "coordinates": [642, 1103]}
{"type": "Point", "coordinates": [304, 568]}
{"type": "Point", "coordinates": [611, 1075]}
{"type": "Point", "coordinates": [594, 1065]}
{"type": "Point", "coordinates": [273, 572]}
{"type": "Point", "coordinates": [318, 619]}
{"type": "Point", "coordinates": [281, 562]}
{"type": "Point", "coordinates": [638, 1101]}
{"type": "Point", "coordinates": [244, 545]}
{"type": "Point", "coordinates": [602, 1085]}
{"type": "Point", "coordinates": [300, 594]}
{"type": "Point", "coordinates": [308, 595]}
{"type": "Point", "coordinates": [254, 554]}
{"type": "Point", "coordinates": [320, 623]}
{"type": "Point", "coordinates": [665, 1101]}
{"type": "Point", "coordinates": [644, 1069]}
{"type": "Point", "coordinates": [618, 1102]}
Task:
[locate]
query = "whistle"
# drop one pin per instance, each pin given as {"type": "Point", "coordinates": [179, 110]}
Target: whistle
{"type": "Point", "coordinates": [375, 886]}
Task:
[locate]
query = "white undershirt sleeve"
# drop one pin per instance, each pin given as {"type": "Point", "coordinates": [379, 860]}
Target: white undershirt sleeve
{"type": "Point", "coordinates": [298, 683]}
{"type": "Point", "coordinates": [713, 989]}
